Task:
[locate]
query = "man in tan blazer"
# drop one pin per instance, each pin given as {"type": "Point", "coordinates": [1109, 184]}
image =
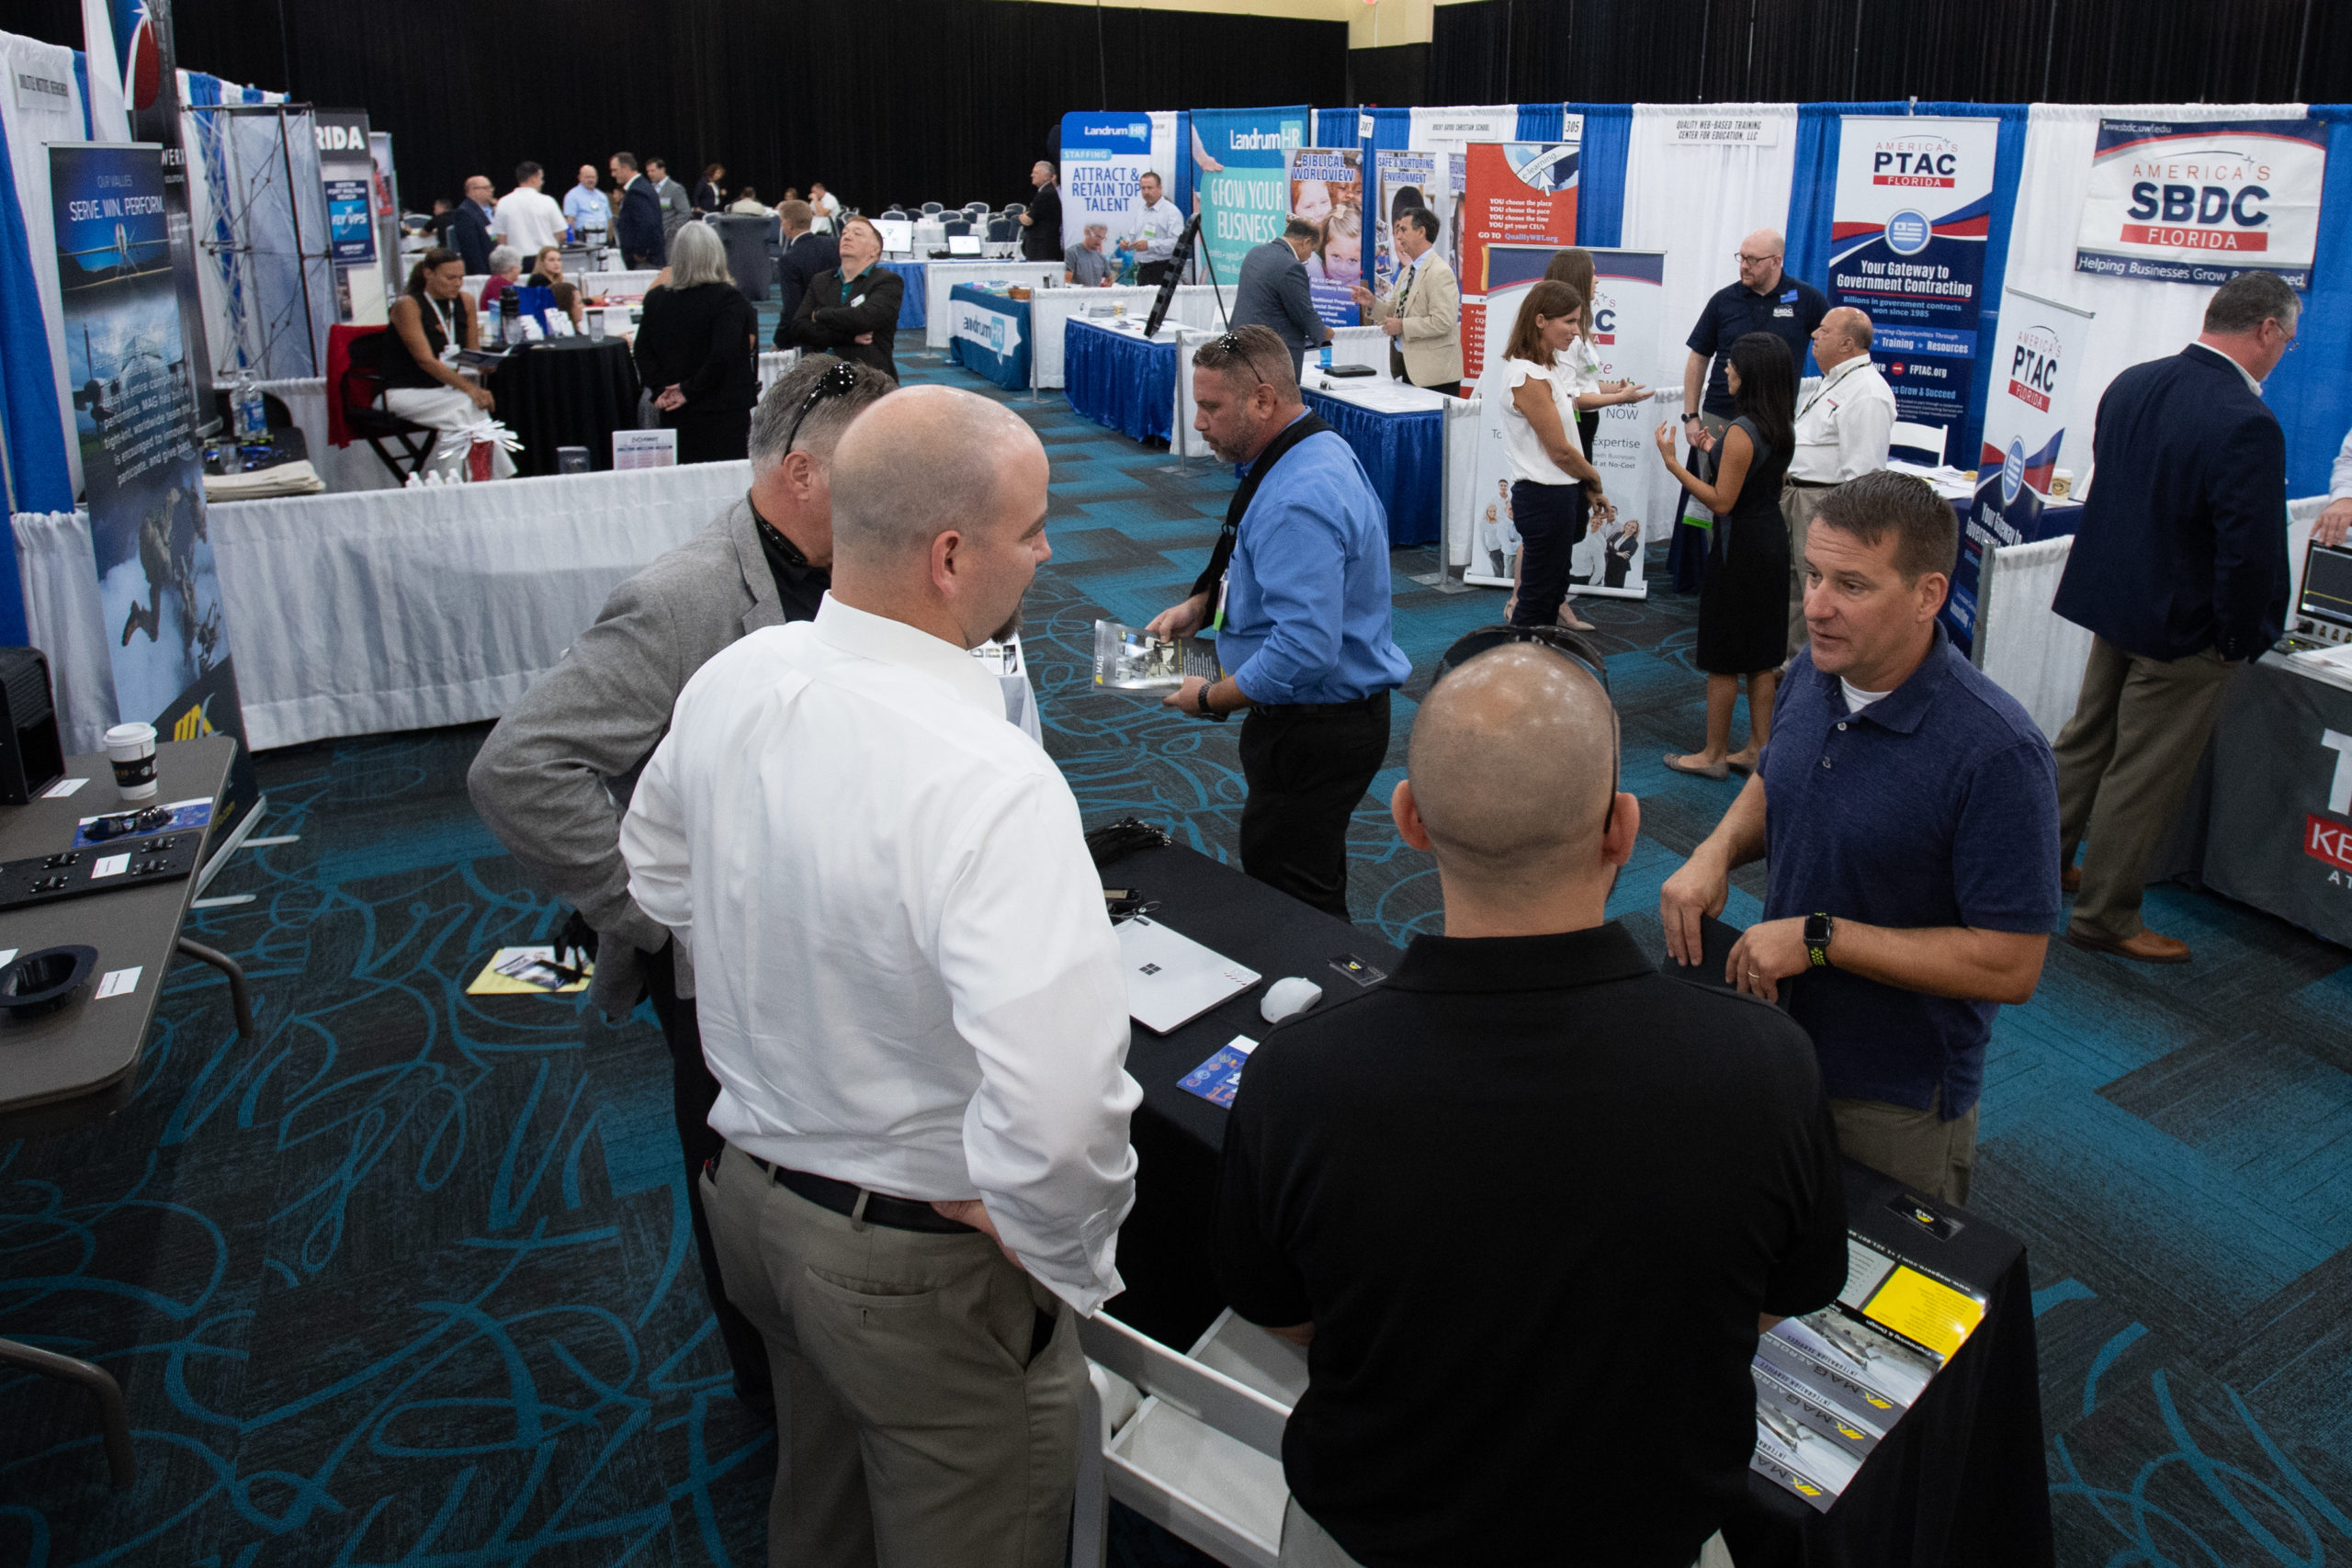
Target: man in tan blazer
{"type": "Point", "coordinates": [1421, 312]}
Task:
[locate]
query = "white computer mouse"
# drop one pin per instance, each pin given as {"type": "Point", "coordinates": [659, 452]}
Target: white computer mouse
{"type": "Point", "coordinates": [1286, 997]}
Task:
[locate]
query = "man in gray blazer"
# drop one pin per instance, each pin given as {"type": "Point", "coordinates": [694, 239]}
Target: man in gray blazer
{"type": "Point", "coordinates": [677, 208]}
{"type": "Point", "coordinates": [554, 778]}
{"type": "Point", "coordinates": [1273, 291]}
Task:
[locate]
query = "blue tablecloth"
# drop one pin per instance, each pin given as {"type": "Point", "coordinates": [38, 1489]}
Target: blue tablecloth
{"type": "Point", "coordinates": [1404, 456]}
{"type": "Point", "coordinates": [1119, 380]}
{"type": "Point", "coordinates": [988, 333]}
{"type": "Point", "coordinates": [913, 313]}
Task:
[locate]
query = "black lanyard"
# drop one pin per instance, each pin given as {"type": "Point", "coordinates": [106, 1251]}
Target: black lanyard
{"type": "Point", "coordinates": [1221, 557]}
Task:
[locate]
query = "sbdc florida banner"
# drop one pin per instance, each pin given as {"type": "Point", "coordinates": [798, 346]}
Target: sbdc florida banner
{"type": "Point", "coordinates": [1914, 202]}
{"type": "Point", "coordinates": [1518, 193]}
{"type": "Point", "coordinates": [2203, 203]}
{"type": "Point", "coordinates": [2024, 431]}
{"type": "Point", "coordinates": [1239, 160]}
{"type": "Point", "coordinates": [1104, 158]}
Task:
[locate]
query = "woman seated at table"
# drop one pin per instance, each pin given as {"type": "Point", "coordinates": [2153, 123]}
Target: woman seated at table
{"type": "Point", "coordinates": [1744, 598]}
{"type": "Point", "coordinates": [505, 272]}
{"type": "Point", "coordinates": [548, 274]}
{"type": "Point", "coordinates": [695, 347]}
{"type": "Point", "coordinates": [430, 321]}
{"type": "Point", "coordinates": [852, 311]}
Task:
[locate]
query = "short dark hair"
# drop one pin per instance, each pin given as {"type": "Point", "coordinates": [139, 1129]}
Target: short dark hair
{"type": "Point", "coordinates": [1252, 357]}
{"type": "Point", "coordinates": [1927, 532]}
{"type": "Point", "coordinates": [1422, 218]}
{"type": "Point", "coordinates": [525, 170]}
{"type": "Point", "coordinates": [2250, 298]}
{"type": "Point", "coordinates": [1300, 229]}
{"type": "Point", "coordinates": [657, 162]}
{"type": "Point", "coordinates": [626, 160]}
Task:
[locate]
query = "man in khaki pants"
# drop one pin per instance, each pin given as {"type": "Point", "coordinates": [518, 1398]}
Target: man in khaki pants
{"type": "Point", "coordinates": [1421, 312]}
{"type": "Point", "coordinates": [2179, 571]}
{"type": "Point", "coordinates": [914, 1010]}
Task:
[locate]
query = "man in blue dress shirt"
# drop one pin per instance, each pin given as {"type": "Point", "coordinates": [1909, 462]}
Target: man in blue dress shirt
{"type": "Point", "coordinates": [1298, 589]}
{"type": "Point", "coordinates": [1909, 808]}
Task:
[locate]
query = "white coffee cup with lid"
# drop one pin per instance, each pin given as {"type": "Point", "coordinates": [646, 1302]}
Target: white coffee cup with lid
{"type": "Point", "coordinates": [131, 749]}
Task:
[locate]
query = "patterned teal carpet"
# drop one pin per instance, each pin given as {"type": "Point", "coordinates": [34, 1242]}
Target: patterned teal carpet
{"type": "Point", "coordinates": [406, 1279]}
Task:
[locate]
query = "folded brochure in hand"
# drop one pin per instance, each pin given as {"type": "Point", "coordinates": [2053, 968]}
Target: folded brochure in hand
{"type": "Point", "coordinates": [1127, 660]}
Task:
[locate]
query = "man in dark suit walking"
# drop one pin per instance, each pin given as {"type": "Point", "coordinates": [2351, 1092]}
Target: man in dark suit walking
{"type": "Point", "coordinates": [1273, 291]}
{"type": "Point", "coordinates": [636, 224]}
{"type": "Point", "coordinates": [468, 228]}
{"type": "Point", "coordinates": [2180, 571]}
{"type": "Point", "coordinates": [807, 255]}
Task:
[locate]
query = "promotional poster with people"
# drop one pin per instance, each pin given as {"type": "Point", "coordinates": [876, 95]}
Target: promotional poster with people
{"type": "Point", "coordinates": [1104, 158]}
{"type": "Point", "coordinates": [1327, 190]}
{"type": "Point", "coordinates": [1913, 209]}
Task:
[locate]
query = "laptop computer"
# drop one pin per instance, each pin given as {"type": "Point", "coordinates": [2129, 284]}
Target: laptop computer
{"type": "Point", "coordinates": [1172, 979]}
{"type": "Point", "coordinates": [963, 244]}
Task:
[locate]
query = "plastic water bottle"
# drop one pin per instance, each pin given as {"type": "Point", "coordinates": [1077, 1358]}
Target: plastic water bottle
{"type": "Point", "coordinates": [252, 415]}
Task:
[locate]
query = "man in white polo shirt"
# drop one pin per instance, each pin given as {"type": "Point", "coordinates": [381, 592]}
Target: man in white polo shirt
{"type": "Point", "coordinates": [528, 218]}
{"type": "Point", "coordinates": [1844, 427]}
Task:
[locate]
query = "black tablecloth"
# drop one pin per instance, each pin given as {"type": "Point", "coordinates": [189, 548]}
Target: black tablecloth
{"type": "Point", "coordinates": [1958, 1482]}
{"type": "Point", "coordinates": [570, 392]}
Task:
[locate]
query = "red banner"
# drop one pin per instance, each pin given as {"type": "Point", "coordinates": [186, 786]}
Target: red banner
{"type": "Point", "coordinates": [1516, 193]}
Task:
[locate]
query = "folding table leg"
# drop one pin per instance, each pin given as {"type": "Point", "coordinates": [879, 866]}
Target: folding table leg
{"type": "Point", "coordinates": [112, 1417]}
{"type": "Point", "coordinates": [228, 966]}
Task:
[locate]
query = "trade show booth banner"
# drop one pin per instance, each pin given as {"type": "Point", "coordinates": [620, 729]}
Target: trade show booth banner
{"type": "Point", "coordinates": [1243, 180]}
{"type": "Point", "coordinates": [1520, 195]}
{"type": "Point", "coordinates": [1104, 157]}
{"type": "Point", "coordinates": [2200, 203]}
{"type": "Point", "coordinates": [1326, 188]}
{"type": "Point", "coordinates": [1913, 208]}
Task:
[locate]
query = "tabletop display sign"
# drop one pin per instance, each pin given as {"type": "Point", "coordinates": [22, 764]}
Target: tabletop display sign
{"type": "Point", "coordinates": [1104, 158]}
{"type": "Point", "coordinates": [1241, 176]}
{"type": "Point", "coordinates": [1519, 193]}
{"type": "Point", "coordinates": [159, 591]}
{"type": "Point", "coordinates": [1326, 188]}
{"type": "Point", "coordinates": [2024, 430]}
{"type": "Point", "coordinates": [986, 332]}
{"type": "Point", "coordinates": [1405, 181]}
{"type": "Point", "coordinates": [1915, 203]}
{"type": "Point", "coordinates": [2204, 201]}
{"type": "Point", "coordinates": [645, 448]}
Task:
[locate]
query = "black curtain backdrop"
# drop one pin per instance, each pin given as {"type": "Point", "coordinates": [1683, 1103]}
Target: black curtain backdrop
{"type": "Point", "coordinates": [883, 100]}
{"type": "Point", "coordinates": [2109, 52]}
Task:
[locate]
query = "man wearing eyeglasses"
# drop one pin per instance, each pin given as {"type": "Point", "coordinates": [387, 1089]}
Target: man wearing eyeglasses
{"type": "Point", "coordinates": [1297, 589]}
{"type": "Point", "coordinates": [1440, 1412]}
{"type": "Point", "coordinates": [1764, 299]}
{"type": "Point", "coordinates": [554, 775]}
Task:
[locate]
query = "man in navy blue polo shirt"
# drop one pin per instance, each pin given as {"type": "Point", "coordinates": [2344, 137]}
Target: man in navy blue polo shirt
{"type": "Point", "coordinates": [1764, 299]}
{"type": "Point", "coordinates": [1910, 810]}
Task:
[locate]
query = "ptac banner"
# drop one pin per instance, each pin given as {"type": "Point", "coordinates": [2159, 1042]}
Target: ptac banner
{"type": "Point", "coordinates": [158, 590]}
{"type": "Point", "coordinates": [2202, 203]}
{"type": "Point", "coordinates": [1327, 190]}
{"type": "Point", "coordinates": [1628, 319]}
{"type": "Point", "coordinates": [1240, 164]}
{"type": "Point", "coordinates": [1908, 238]}
{"type": "Point", "coordinates": [1104, 158]}
{"type": "Point", "coordinates": [2024, 433]}
{"type": "Point", "coordinates": [1520, 193]}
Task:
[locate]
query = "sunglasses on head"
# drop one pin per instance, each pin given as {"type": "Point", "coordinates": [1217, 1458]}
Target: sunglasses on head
{"type": "Point", "coordinates": [1574, 646]}
{"type": "Point", "coordinates": [1232, 343]}
{"type": "Point", "coordinates": [838, 381]}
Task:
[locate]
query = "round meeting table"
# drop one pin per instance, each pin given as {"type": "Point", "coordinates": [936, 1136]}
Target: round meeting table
{"type": "Point", "coordinates": [572, 391]}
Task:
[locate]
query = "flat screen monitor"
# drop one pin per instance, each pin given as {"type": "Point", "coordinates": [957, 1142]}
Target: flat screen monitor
{"type": "Point", "coordinates": [898, 234]}
{"type": "Point", "coordinates": [963, 244]}
{"type": "Point", "coordinates": [2327, 587]}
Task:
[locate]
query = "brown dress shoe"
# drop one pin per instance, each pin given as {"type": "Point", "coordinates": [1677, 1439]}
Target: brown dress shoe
{"type": "Point", "coordinates": [2071, 879]}
{"type": "Point", "coordinates": [2145, 948]}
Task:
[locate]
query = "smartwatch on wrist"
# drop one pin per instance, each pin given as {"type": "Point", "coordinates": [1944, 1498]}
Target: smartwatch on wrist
{"type": "Point", "coordinates": [1818, 929]}
{"type": "Point", "coordinates": [1200, 706]}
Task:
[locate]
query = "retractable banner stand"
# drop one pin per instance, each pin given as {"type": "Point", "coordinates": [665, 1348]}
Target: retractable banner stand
{"type": "Point", "coordinates": [347, 175]}
{"type": "Point", "coordinates": [1521, 194]}
{"type": "Point", "coordinates": [1445, 134]}
{"type": "Point", "coordinates": [2203, 202]}
{"type": "Point", "coordinates": [1104, 158]}
{"type": "Point", "coordinates": [1628, 320]}
{"type": "Point", "coordinates": [2024, 431]}
{"type": "Point", "coordinates": [1327, 190]}
{"type": "Point", "coordinates": [1915, 203]}
{"type": "Point", "coordinates": [1405, 180]}
{"type": "Point", "coordinates": [158, 590]}
{"type": "Point", "coordinates": [1243, 181]}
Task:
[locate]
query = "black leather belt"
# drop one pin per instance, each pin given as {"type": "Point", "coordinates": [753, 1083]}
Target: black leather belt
{"type": "Point", "coordinates": [840, 1197]}
{"type": "Point", "coordinates": [1316, 710]}
{"type": "Point", "coordinates": [1812, 484]}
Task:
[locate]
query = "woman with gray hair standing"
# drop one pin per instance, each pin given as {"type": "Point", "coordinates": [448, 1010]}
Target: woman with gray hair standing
{"type": "Point", "coordinates": [695, 349]}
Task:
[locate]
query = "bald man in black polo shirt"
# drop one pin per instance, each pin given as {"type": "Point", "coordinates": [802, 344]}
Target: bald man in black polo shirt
{"type": "Point", "coordinates": [1531, 1201]}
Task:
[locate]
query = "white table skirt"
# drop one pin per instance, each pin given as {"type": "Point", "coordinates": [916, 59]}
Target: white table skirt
{"type": "Point", "coordinates": [939, 277]}
{"type": "Point", "coordinates": [385, 610]}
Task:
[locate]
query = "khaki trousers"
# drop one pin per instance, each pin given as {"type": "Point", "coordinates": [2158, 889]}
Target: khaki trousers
{"type": "Point", "coordinates": [1918, 1149]}
{"type": "Point", "coordinates": [2125, 761]}
{"type": "Point", "coordinates": [1799, 498]}
{"type": "Point", "coordinates": [1307, 1544]}
{"type": "Point", "coordinates": [919, 1432]}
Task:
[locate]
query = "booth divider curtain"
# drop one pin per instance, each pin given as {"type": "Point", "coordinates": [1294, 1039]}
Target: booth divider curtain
{"type": "Point", "coordinates": [2310, 391]}
{"type": "Point", "coordinates": [35, 402]}
{"type": "Point", "coordinates": [1600, 199]}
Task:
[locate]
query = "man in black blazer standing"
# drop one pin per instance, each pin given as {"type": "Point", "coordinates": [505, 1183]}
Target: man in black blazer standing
{"type": "Point", "coordinates": [637, 223]}
{"type": "Point", "coordinates": [468, 228]}
{"type": "Point", "coordinates": [1272, 292]}
{"type": "Point", "coordinates": [2180, 571]}
{"type": "Point", "coordinates": [1041, 225]}
{"type": "Point", "coordinates": [807, 255]}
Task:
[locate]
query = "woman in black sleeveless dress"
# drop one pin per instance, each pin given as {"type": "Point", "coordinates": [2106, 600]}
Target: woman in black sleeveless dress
{"type": "Point", "coordinates": [1743, 602]}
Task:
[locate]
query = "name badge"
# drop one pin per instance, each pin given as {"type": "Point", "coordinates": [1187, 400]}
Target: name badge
{"type": "Point", "coordinates": [1784, 311]}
